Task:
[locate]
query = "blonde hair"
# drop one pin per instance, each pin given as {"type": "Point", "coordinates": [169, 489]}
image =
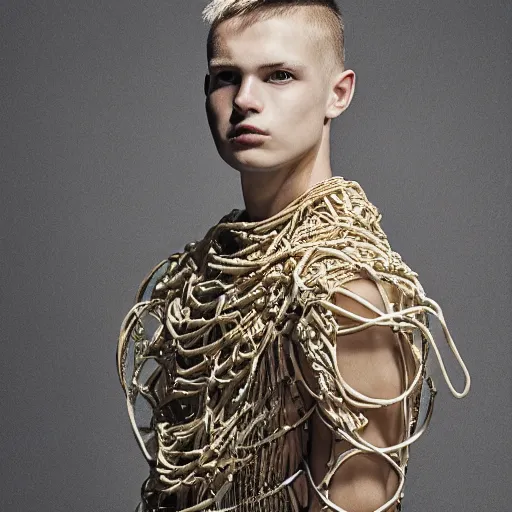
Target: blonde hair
{"type": "Point", "coordinates": [328, 18]}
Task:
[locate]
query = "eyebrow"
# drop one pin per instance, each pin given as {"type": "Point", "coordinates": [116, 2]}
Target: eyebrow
{"type": "Point", "coordinates": [219, 63]}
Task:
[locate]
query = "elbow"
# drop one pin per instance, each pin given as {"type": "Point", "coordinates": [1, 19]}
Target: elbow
{"type": "Point", "coordinates": [363, 485]}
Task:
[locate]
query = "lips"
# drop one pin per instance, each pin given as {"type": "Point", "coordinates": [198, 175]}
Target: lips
{"type": "Point", "coordinates": [242, 129]}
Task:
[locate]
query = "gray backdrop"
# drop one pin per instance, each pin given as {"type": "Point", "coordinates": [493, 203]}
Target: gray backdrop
{"type": "Point", "coordinates": [107, 166]}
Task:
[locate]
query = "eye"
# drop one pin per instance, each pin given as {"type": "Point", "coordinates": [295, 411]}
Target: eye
{"type": "Point", "coordinates": [227, 77]}
{"type": "Point", "coordinates": [280, 76]}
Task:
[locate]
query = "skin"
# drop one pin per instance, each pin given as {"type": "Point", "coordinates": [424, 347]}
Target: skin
{"type": "Point", "coordinates": [295, 103]}
{"type": "Point", "coordinates": [369, 361]}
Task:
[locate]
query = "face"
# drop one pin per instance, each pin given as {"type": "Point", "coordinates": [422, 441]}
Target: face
{"type": "Point", "coordinates": [268, 76]}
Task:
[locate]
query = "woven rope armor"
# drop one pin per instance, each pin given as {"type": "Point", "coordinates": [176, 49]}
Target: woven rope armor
{"type": "Point", "coordinates": [231, 348]}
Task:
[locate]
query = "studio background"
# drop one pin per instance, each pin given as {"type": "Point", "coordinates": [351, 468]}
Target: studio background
{"type": "Point", "coordinates": [107, 166]}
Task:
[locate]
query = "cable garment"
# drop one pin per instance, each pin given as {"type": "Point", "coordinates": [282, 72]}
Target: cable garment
{"type": "Point", "coordinates": [231, 349]}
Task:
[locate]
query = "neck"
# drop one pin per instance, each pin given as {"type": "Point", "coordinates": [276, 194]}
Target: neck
{"type": "Point", "coordinates": [267, 193]}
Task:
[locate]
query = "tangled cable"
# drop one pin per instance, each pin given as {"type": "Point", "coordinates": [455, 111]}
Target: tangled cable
{"type": "Point", "coordinates": [215, 347]}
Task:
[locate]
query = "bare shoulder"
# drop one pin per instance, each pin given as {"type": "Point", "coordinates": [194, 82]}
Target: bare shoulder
{"type": "Point", "coordinates": [367, 290]}
{"type": "Point", "coordinates": [368, 359]}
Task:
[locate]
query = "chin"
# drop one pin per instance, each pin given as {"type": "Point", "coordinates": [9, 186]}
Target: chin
{"type": "Point", "coordinates": [253, 160]}
{"type": "Point", "coordinates": [251, 166]}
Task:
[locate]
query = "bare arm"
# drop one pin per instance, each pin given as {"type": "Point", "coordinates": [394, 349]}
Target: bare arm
{"type": "Point", "coordinates": [370, 362]}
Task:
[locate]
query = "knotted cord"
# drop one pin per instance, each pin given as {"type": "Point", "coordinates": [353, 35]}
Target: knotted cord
{"type": "Point", "coordinates": [212, 349]}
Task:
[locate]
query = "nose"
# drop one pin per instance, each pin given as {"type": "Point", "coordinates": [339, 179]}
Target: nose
{"type": "Point", "coordinates": [247, 98]}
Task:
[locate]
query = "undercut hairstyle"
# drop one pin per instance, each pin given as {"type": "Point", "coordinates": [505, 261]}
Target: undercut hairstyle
{"type": "Point", "coordinates": [326, 20]}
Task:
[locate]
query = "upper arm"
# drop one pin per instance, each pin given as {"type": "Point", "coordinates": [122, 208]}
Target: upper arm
{"type": "Point", "coordinates": [369, 361]}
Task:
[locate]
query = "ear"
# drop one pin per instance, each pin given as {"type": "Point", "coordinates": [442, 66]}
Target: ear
{"type": "Point", "coordinates": [341, 94]}
{"type": "Point", "coordinates": [206, 84]}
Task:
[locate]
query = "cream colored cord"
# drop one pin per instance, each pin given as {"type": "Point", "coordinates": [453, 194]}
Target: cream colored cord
{"type": "Point", "coordinates": [211, 349]}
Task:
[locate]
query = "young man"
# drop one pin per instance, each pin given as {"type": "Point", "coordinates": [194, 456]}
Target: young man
{"type": "Point", "coordinates": [286, 367]}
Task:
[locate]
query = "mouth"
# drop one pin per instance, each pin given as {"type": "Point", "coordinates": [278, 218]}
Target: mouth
{"type": "Point", "coordinates": [247, 135]}
{"type": "Point", "coordinates": [242, 129]}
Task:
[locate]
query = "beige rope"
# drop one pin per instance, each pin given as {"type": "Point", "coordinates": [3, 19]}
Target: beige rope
{"type": "Point", "coordinates": [212, 351]}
